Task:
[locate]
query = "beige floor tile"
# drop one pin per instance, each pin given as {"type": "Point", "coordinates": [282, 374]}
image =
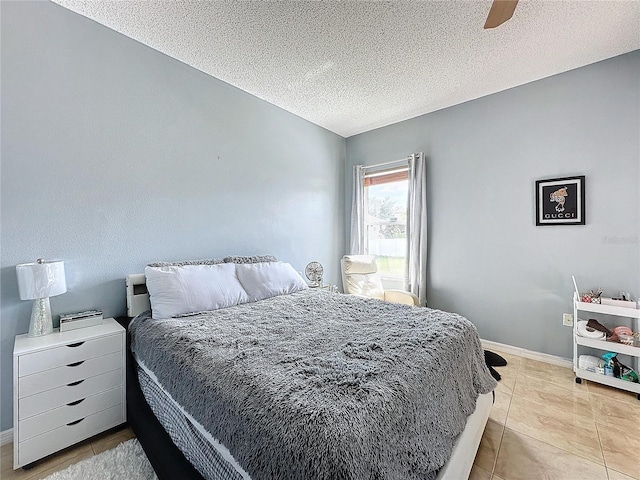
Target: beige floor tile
{"type": "Point", "coordinates": [557, 425]}
{"type": "Point", "coordinates": [500, 407]}
{"type": "Point", "coordinates": [535, 379]}
{"type": "Point", "coordinates": [111, 439]}
{"type": "Point", "coordinates": [613, 475]}
{"type": "Point", "coordinates": [508, 375]}
{"type": "Point", "coordinates": [495, 477]}
{"type": "Point", "coordinates": [545, 371]}
{"type": "Point", "coordinates": [478, 473]}
{"type": "Point", "coordinates": [524, 458]}
{"type": "Point", "coordinates": [611, 392]}
{"type": "Point", "coordinates": [620, 448]}
{"type": "Point", "coordinates": [546, 393]}
{"type": "Point", "coordinates": [608, 411]}
{"type": "Point", "coordinates": [489, 446]}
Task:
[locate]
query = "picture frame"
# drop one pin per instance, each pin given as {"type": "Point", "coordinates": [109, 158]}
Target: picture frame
{"type": "Point", "coordinates": [560, 201]}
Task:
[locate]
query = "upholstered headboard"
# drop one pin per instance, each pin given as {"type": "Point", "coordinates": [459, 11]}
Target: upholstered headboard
{"type": "Point", "coordinates": [137, 294]}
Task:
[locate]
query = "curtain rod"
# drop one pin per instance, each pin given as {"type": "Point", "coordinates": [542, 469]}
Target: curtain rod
{"type": "Point", "coordinates": [386, 164]}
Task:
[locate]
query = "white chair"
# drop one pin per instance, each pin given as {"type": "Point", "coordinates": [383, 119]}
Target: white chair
{"type": "Point", "coordinates": [360, 277]}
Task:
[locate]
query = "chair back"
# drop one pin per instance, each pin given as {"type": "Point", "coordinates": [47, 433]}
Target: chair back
{"type": "Point", "coordinates": [360, 276]}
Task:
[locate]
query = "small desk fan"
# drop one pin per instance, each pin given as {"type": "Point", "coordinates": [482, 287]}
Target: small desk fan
{"type": "Point", "coordinates": [314, 272]}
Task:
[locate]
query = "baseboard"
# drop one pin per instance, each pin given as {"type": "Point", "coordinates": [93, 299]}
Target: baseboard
{"type": "Point", "coordinates": [523, 352]}
{"type": "Point", "coordinates": [6, 436]}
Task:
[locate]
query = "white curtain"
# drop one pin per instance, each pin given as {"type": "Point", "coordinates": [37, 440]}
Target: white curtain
{"type": "Point", "coordinates": [417, 228]}
{"type": "Point", "coordinates": [357, 212]}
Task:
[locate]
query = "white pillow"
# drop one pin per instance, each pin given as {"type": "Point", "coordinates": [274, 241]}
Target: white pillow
{"type": "Point", "coordinates": [264, 280]}
{"type": "Point", "coordinates": [176, 290]}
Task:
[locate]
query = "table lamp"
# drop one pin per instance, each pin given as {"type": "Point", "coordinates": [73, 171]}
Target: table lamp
{"type": "Point", "coordinates": [39, 281]}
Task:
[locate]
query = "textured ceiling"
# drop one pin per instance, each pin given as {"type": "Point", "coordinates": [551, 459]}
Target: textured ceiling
{"type": "Point", "coordinates": [352, 66]}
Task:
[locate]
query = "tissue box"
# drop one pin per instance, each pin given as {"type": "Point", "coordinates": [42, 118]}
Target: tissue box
{"type": "Point", "coordinates": [72, 321]}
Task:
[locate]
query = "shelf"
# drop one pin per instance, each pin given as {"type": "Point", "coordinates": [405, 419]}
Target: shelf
{"type": "Point", "coordinates": [611, 381]}
{"type": "Point", "coordinates": [609, 346]}
{"type": "Point", "coordinates": [633, 351]}
{"type": "Point", "coordinates": [608, 309]}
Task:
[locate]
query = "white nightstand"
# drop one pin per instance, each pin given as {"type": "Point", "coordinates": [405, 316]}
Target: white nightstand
{"type": "Point", "coordinates": [66, 387]}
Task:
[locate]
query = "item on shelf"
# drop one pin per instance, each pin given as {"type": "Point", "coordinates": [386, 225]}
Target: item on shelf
{"type": "Point", "coordinates": [591, 364]}
{"type": "Point", "coordinates": [617, 302]}
{"type": "Point", "coordinates": [596, 325]}
{"type": "Point", "coordinates": [608, 363]}
{"type": "Point", "coordinates": [626, 339]}
{"type": "Point", "coordinates": [619, 370]}
{"type": "Point", "coordinates": [624, 372]}
{"type": "Point", "coordinates": [73, 321]}
{"type": "Point", "coordinates": [592, 296]}
{"type": "Point", "coordinates": [624, 335]}
{"type": "Point", "coordinates": [584, 330]}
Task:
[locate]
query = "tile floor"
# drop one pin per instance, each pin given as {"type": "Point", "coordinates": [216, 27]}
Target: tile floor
{"type": "Point", "coordinates": [542, 426]}
{"type": "Point", "coordinates": [545, 426]}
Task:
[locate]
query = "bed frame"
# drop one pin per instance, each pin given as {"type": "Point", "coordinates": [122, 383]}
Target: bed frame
{"type": "Point", "coordinates": [168, 461]}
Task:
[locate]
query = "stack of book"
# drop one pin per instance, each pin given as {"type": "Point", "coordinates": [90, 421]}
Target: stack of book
{"type": "Point", "coordinates": [71, 321]}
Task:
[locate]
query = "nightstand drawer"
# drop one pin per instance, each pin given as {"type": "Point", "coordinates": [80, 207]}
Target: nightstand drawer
{"type": "Point", "coordinates": [58, 417]}
{"type": "Point", "coordinates": [60, 376]}
{"type": "Point", "coordinates": [65, 354]}
{"type": "Point", "coordinates": [57, 397]}
{"type": "Point", "coordinates": [54, 440]}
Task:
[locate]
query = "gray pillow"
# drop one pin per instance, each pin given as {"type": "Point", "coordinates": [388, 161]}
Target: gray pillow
{"type": "Point", "coordinates": [250, 259]}
{"type": "Point", "coordinates": [211, 261]}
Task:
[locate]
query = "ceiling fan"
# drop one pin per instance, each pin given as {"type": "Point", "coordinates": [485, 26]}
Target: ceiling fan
{"type": "Point", "coordinates": [501, 11]}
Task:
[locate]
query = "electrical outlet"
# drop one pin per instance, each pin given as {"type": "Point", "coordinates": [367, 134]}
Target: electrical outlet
{"type": "Point", "coordinates": [567, 319]}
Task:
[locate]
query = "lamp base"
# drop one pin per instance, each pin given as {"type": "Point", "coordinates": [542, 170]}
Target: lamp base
{"type": "Point", "coordinates": [41, 321]}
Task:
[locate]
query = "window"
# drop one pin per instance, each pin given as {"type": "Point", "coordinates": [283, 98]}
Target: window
{"type": "Point", "coordinates": [385, 223]}
{"type": "Point", "coordinates": [389, 220]}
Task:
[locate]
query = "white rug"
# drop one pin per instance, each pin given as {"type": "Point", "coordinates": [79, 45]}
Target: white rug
{"type": "Point", "coordinates": [125, 462]}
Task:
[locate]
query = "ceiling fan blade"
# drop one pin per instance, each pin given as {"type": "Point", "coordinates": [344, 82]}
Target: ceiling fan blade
{"type": "Point", "coordinates": [501, 11]}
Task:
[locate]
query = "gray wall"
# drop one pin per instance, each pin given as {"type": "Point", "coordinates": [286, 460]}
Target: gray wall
{"type": "Point", "coordinates": [487, 259]}
{"type": "Point", "coordinates": [115, 155]}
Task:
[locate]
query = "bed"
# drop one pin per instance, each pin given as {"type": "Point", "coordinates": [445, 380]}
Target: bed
{"type": "Point", "coordinates": [242, 372]}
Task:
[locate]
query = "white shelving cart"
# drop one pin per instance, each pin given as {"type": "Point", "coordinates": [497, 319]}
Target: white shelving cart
{"type": "Point", "coordinates": [632, 351]}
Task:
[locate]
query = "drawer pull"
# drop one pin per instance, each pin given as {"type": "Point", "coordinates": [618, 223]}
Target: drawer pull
{"type": "Point", "coordinates": [73, 345]}
{"type": "Point", "coordinates": [74, 423]}
{"type": "Point", "coordinates": [73, 384]}
{"type": "Point", "coordinates": [75, 403]}
{"type": "Point", "coordinates": [75, 364]}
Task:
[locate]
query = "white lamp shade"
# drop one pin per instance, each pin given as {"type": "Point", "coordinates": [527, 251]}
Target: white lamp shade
{"type": "Point", "coordinates": [41, 280]}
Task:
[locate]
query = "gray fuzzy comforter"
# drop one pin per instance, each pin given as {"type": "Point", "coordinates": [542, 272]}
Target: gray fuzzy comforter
{"type": "Point", "coordinates": [316, 385]}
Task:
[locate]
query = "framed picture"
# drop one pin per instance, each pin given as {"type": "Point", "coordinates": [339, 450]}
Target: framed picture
{"type": "Point", "coordinates": [560, 201]}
